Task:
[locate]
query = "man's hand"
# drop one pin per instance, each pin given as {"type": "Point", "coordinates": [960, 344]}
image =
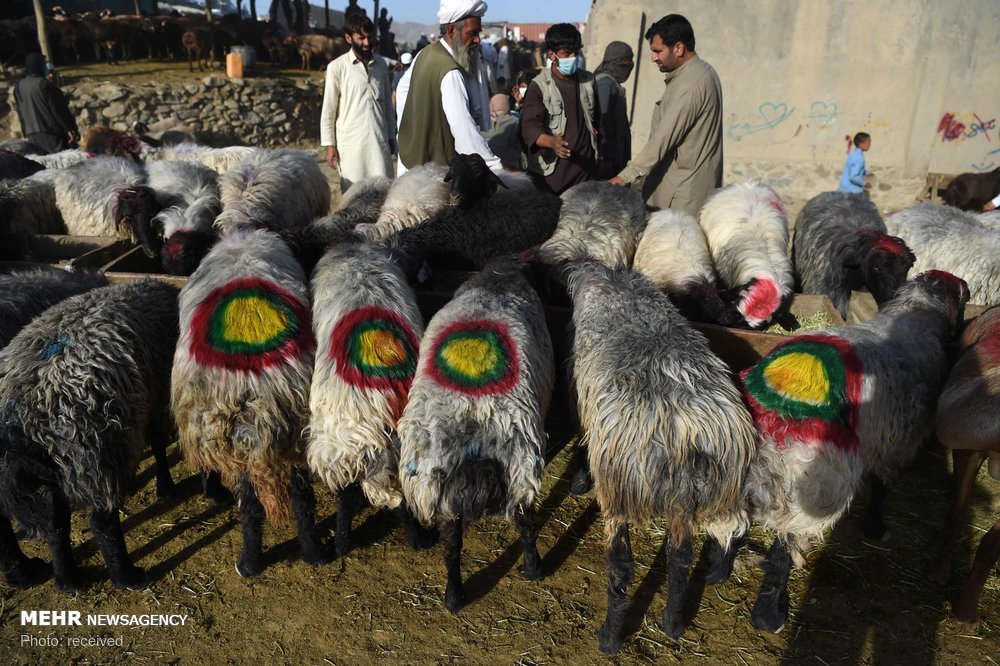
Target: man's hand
{"type": "Point", "coordinates": [989, 205]}
{"type": "Point", "coordinates": [332, 157]}
{"type": "Point", "coordinates": [617, 180]}
{"type": "Point", "coordinates": [555, 142]}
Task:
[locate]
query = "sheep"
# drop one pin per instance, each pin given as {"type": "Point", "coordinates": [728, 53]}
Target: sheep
{"type": "Point", "coordinates": [472, 437]}
{"type": "Point", "coordinates": [188, 193]}
{"type": "Point", "coordinates": [665, 429]}
{"type": "Point", "coordinates": [989, 220]}
{"type": "Point", "coordinates": [840, 245]}
{"type": "Point", "coordinates": [276, 190]}
{"type": "Point", "coordinates": [368, 328]}
{"type": "Point", "coordinates": [63, 159]}
{"type": "Point", "coordinates": [13, 165]}
{"type": "Point", "coordinates": [971, 191]}
{"type": "Point", "coordinates": [948, 239]}
{"type": "Point", "coordinates": [28, 205]}
{"type": "Point", "coordinates": [674, 255]}
{"type": "Point", "coordinates": [746, 227]}
{"type": "Point", "coordinates": [360, 204]}
{"type": "Point", "coordinates": [22, 147]}
{"type": "Point", "coordinates": [83, 385]}
{"type": "Point", "coordinates": [107, 196]}
{"type": "Point", "coordinates": [221, 160]}
{"type": "Point", "coordinates": [239, 389]}
{"type": "Point", "coordinates": [597, 220]}
{"type": "Point", "coordinates": [26, 294]}
{"type": "Point", "coordinates": [834, 405]}
{"type": "Point", "coordinates": [967, 423]}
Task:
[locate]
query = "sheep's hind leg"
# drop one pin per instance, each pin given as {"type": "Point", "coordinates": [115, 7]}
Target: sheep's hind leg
{"type": "Point", "coordinates": [720, 560]}
{"type": "Point", "coordinates": [212, 488]}
{"type": "Point", "coordinates": [57, 535]}
{"type": "Point", "coordinates": [767, 614]}
{"type": "Point", "coordinates": [20, 570]}
{"type": "Point", "coordinates": [966, 466]}
{"type": "Point", "coordinates": [873, 524]}
{"type": "Point", "coordinates": [348, 500]}
{"type": "Point", "coordinates": [108, 532]}
{"type": "Point", "coordinates": [527, 525]}
{"type": "Point", "coordinates": [164, 482]}
{"type": "Point", "coordinates": [251, 561]}
{"type": "Point", "coordinates": [621, 570]}
{"type": "Point", "coordinates": [304, 507]}
{"type": "Point", "coordinates": [678, 569]}
{"type": "Point", "coordinates": [967, 609]}
{"type": "Point", "coordinates": [582, 480]}
{"type": "Point", "coordinates": [451, 540]}
{"type": "Point", "coordinates": [418, 536]}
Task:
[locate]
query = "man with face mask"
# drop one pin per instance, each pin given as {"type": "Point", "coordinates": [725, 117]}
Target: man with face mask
{"type": "Point", "coordinates": [682, 160]}
{"type": "Point", "coordinates": [449, 103]}
{"type": "Point", "coordinates": [616, 134]}
{"type": "Point", "coordinates": [559, 114]}
{"type": "Point", "coordinates": [357, 108]}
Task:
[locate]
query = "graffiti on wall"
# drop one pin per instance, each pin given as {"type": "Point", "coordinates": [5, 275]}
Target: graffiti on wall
{"type": "Point", "coordinates": [989, 161]}
{"type": "Point", "coordinates": [771, 115]}
{"type": "Point", "coordinates": [961, 126]}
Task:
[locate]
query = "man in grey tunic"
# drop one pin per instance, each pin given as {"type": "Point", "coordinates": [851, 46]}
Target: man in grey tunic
{"type": "Point", "coordinates": [682, 161]}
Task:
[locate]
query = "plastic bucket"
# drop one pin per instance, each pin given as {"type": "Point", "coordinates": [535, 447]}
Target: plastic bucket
{"type": "Point", "coordinates": [248, 54]}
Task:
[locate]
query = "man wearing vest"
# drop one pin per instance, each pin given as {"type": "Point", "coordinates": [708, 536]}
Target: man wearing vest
{"type": "Point", "coordinates": [559, 115]}
{"type": "Point", "coordinates": [445, 103]}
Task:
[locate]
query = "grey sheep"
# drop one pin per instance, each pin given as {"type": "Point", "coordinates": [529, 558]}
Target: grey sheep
{"type": "Point", "coordinates": [84, 386]}
{"type": "Point", "coordinates": [188, 193]}
{"type": "Point", "coordinates": [26, 294]}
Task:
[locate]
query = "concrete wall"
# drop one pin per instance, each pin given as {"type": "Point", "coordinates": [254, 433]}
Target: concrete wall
{"type": "Point", "coordinates": [799, 77]}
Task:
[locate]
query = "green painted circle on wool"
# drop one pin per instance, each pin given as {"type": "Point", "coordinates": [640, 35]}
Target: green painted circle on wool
{"type": "Point", "coordinates": [275, 322]}
{"type": "Point", "coordinates": [473, 358]}
{"type": "Point", "coordinates": [402, 357]}
{"type": "Point", "coordinates": [789, 405]}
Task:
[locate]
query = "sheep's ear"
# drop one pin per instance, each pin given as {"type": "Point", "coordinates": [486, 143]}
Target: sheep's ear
{"type": "Point", "coordinates": [448, 176]}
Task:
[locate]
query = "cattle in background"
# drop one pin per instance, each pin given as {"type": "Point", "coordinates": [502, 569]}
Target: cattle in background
{"type": "Point", "coordinates": [310, 46]}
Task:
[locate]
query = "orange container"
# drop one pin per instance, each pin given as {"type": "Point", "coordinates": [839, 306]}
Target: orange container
{"type": "Point", "coordinates": [234, 66]}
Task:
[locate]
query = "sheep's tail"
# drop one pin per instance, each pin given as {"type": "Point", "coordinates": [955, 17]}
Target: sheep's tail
{"type": "Point", "coordinates": [478, 487]}
{"type": "Point", "coordinates": [272, 481]}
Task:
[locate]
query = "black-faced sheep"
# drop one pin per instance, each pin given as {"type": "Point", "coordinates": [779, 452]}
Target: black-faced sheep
{"type": "Point", "coordinates": [596, 220]}
{"type": "Point", "coordinates": [275, 190]}
{"type": "Point", "coordinates": [948, 239]}
{"type": "Point", "coordinates": [968, 423]}
{"type": "Point", "coordinates": [835, 405]}
{"type": "Point", "coordinates": [239, 389]}
{"type": "Point", "coordinates": [25, 295]}
{"type": "Point", "coordinates": [666, 432]}
{"type": "Point", "coordinates": [840, 245]}
{"type": "Point", "coordinates": [472, 433]}
{"type": "Point", "coordinates": [746, 227]}
{"type": "Point", "coordinates": [368, 329]}
{"type": "Point", "coordinates": [673, 254]}
{"type": "Point", "coordinates": [83, 386]}
{"type": "Point", "coordinates": [188, 193]}
{"type": "Point", "coordinates": [971, 191]}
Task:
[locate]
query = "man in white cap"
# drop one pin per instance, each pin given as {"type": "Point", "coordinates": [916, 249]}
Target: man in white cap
{"type": "Point", "coordinates": [450, 104]}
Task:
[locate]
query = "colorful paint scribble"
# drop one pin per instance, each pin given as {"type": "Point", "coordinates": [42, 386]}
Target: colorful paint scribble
{"type": "Point", "coordinates": [808, 390]}
{"type": "Point", "coordinates": [475, 358]}
{"type": "Point", "coordinates": [956, 127]}
{"type": "Point", "coordinates": [374, 348]}
{"type": "Point", "coordinates": [248, 325]}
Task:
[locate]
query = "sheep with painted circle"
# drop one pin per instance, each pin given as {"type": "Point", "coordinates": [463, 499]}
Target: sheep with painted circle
{"type": "Point", "coordinates": [836, 405]}
{"type": "Point", "coordinates": [368, 329]}
{"type": "Point", "coordinates": [240, 384]}
{"type": "Point", "coordinates": [472, 432]}
{"type": "Point", "coordinates": [746, 227]}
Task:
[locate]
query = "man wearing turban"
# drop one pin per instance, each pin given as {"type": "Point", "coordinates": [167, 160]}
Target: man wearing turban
{"type": "Point", "coordinates": [449, 104]}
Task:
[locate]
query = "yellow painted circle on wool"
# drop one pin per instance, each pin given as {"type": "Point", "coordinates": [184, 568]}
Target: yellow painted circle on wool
{"type": "Point", "coordinates": [381, 348]}
{"type": "Point", "coordinates": [473, 357]}
{"type": "Point", "coordinates": [799, 376]}
{"type": "Point", "coordinates": [253, 320]}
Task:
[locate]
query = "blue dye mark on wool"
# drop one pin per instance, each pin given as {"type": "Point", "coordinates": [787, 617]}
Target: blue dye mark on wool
{"type": "Point", "coordinates": [411, 468]}
{"type": "Point", "coordinates": [54, 347]}
{"type": "Point", "coordinates": [473, 450]}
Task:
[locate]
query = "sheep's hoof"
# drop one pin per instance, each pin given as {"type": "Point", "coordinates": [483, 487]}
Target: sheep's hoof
{"type": "Point", "coordinates": [248, 567]}
{"type": "Point", "coordinates": [608, 641]}
{"type": "Point", "coordinates": [31, 573]}
{"type": "Point", "coordinates": [320, 555]}
{"type": "Point", "coordinates": [673, 626]}
{"type": "Point", "coordinates": [582, 482]}
{"type": "Point", "coordinates": [767, 620]}
{"type": "Point", "coordinates": [874, 530]}
{"type": "Point", "coordinates": [134, 579]}
{"type": "Point", "coordinates": [423, 538]}
{"type": "Point", "coordinates": [454, 598]}
{"type": "Point", "coordinates": [70, 583]}
{"type": "Point", "coordinates": [533, 569]}
{"type": "Point", "coordinates": [939, 572]}
{"type": "Point", "coordinates": [165, 488]}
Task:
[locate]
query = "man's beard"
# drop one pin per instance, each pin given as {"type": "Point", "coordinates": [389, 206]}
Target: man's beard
{"type": "Point", "coordinates": [463, 53]}
{"type": "Point", "coordinates": [360, 53]}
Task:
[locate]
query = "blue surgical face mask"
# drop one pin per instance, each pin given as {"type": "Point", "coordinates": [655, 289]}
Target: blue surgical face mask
{"type": "Point", "coordinates": [567, 66]}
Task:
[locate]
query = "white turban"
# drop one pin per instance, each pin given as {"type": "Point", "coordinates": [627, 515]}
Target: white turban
{"type": "Point", "coordinates": [455, 10]}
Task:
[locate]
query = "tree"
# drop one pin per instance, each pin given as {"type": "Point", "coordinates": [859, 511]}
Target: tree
{"type": "Point", "coordinates": [208, 10]}
{"type": "Point", "coordinates": [253, 10]}
{"type": "Point", "coordinates": [43, 38]}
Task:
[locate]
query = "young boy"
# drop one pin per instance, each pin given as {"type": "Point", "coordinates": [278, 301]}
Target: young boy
{"type": "Point", "coordinates": [855, 178]}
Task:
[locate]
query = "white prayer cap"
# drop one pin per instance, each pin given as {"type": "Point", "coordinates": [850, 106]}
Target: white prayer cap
{"type": "Point", "coordinates": [455, 10]}
{"type": "Point", "coordinates": [406, 58]}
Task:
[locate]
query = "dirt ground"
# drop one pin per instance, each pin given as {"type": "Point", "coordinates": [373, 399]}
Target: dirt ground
{"type": "Point", "coordinates": [854, 603]}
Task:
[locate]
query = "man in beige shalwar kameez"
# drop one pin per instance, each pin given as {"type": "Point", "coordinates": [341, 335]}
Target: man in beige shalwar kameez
{"type": "Point", "coordinates": [357, 109]}
{"type": "Point", "coordinates": [682, 161]}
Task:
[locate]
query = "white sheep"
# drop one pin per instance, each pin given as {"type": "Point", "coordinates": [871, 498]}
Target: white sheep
{"type": "Point", "coordinates": [188, 193]}
{"type": "Point", "coordinates": [220, 160]}
{"type": "Point", "coordinates": [746, 227]}
{"type": "Point", "coordinates": [240, 384]}
{"type": "Point", "coordinates": [28, 206]}
{"type": "Point", "coordinates": [835, 405]}
{"type": "Point", "coordinates": [666, 432]}
{"type": "Point", "coordinates": [472, 433]}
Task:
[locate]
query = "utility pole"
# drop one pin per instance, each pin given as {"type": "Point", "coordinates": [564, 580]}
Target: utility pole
{"type": "Point", "coordinates": [43, 37]}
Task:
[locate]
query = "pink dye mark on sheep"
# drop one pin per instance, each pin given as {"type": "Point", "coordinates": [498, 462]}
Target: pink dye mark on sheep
{"type": "Point", "coordinates": [761, 302]}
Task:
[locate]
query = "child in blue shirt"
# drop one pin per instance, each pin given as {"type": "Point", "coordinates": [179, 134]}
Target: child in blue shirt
{"type": "Point", "coordinates": [855, 177]}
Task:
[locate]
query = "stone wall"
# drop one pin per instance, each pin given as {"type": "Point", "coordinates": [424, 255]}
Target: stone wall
{"type": "Point", "coordinates": [220, 111]}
